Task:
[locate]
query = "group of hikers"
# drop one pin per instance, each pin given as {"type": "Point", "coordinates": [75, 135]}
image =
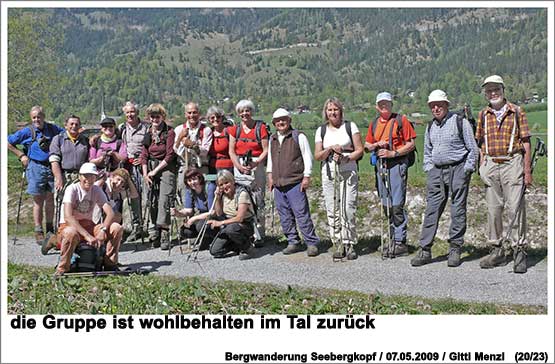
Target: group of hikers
{"type": "Point", "coordinates": [215, 177]}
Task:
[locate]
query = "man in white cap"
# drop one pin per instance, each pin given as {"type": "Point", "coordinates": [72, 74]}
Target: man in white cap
{"type": "Point", "coordinates": [391, 137]}
{"type": "Point", "coordinates": [450, 157]}
{"type": "Point", "coordinates": [504, 137]}
{"type": "Point", "coordinates": [76, 222]}
{"type": "Point", "coordinates": [289, 168]}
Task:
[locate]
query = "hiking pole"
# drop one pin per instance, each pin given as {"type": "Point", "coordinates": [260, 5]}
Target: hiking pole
{"type": "Point", "coordinates": [380, 176]}
{"type": "Point", "coordinates": [59, 203]}
{"type": "Point", "coordinates": [140, 186]}
{"type": "Point", "coordinates": [147, 207]}
{"type": "Point", "coordinates": [140, 271]}
{"type": "Point", "coordinates": [389, 204]}
{"type": "Point", "coordinates": [19, 206]}
{"type": "Point", "coordinates": [198, 241]}
{"type": "Point", "coordinates": [272, 207]}
{"type": "Point", "coordinates": [336, 207]}
{"type": "Point", "coordinates": [172, 224]}
{"type": "Point", "coordinates": [539, 151]}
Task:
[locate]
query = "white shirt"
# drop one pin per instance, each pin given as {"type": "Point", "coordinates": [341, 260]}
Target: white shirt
{"type": "Point", "coordinates": [338, 136]}
{"type": "Point", "coordinates": [194, 134]}
{"type": "Point", "coordinates": [306, 153]}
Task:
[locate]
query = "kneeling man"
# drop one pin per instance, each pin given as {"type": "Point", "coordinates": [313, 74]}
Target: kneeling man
{"type": "Point", "coordinates": [76, 222]}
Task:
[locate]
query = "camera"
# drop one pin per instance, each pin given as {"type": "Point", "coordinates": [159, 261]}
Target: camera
{"type": "Point", "coordinates": [44, 143]}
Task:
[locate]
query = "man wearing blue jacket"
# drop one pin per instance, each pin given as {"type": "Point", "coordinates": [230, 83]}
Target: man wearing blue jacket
{"type": "Point", "coordinates": [35, 140]}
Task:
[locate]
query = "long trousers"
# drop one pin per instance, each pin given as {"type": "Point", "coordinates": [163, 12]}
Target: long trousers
{"type": "Point", "coordinates": [293, 209]}
{"type": "Point", "coordinates": [503, 182]}
{"type": "Point", "coordinates": [393, 200]}
{"type": "Point", "coordinates": [341, 212]}
{"type": "Point", "coordinates": [233, 237]}
{"type": "Point", "coordinates": [160, 201]}
{"type": "Point", "coordinates": [451, 181]}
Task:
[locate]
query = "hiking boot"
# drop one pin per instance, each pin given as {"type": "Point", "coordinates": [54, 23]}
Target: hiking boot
{"type": "Point", "coordinates": [48, 243]}
{"type": "Point", "coordinates": [351, 253]}
{"type": "Point", "coordinates": [520, 261]}
{"type": "Point", "coordinates": [400, 249]}
{"type": "Point", "coordinates": [339, 252]}
{"type": "Point", "coordinates": [495, 258]}
{"type": "Point", "coordinates": [154, 239]}
{"type": "Point", "coordinates": [385, 251]}
{"type": "Point", "coordinates": [165, 240]}
{"type": "Point", "coordinates": [454, 259]}
{"type": "Point", "coordinates": [137, 233]}
{"type": "Point", "coordinates": [423, 257]}
{"type": "Point", "coordinates": [39, 237]}
{"type": "Point", "coordinates": [292, 248]}
{"type": "Point", "coordinates": [312, 251]}
{"type": "Point", "coordinates": [248, 254]}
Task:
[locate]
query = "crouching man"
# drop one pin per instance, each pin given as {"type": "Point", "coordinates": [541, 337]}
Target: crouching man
{"type": "Point", "coordinates": [76, 222]}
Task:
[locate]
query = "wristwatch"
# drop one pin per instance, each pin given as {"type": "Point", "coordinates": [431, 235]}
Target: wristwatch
{"type": "Point", "coordinates": [396, 154]}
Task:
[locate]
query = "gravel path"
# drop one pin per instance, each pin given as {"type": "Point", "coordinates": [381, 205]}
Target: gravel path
{"type": "Point", "coordinates": [367, 274]}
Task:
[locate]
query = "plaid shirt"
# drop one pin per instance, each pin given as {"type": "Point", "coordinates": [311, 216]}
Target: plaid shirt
{"type": "Point", "coordinates": [499, 135]}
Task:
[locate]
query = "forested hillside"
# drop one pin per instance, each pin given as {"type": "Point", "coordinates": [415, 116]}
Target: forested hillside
{"type": "Point", "coordinates": [66, 59]}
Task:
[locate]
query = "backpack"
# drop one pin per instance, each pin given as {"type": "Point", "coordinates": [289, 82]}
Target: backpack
{"type": "Point", "coordinates": [119, 142]}
{"type": "Point", "coordinates": [324, 127]}
{"type": "Point", "coordinates": [411, 156]}
{"type": "Point", "coordinates": [459, 126]}
{"type": "Point", "coordinates": [466, 113]}
{"type": "Point", "coordinates": [87, 259]}
{"type": "Point", "coordinates": [240, 188]}
{"type": "Point", "coordinates": [147, 141]}
{"type": "Point", "coordinates": [257, 131]}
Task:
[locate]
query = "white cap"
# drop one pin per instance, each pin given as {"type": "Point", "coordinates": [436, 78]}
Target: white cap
{"type": "Point", "coordinates": [438, 95]}
{"type": "Point", "coordinates": [493, 79]}
{"type": "Point", "coordinates": [88, 168]}
{"type": "Point", "coordinates": [281, 112]}
{"type": "Point", "coordinates": [384, 96]}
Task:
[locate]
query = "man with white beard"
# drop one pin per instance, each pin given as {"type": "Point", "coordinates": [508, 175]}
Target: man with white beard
{"type": "Point", "coordinates": [505, 168]}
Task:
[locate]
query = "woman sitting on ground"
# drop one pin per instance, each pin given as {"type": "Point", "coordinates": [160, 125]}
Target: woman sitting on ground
{"type": "Point", "coordinates": [196, 206]}
{"type": "Point", "coordinates": [235, 205]}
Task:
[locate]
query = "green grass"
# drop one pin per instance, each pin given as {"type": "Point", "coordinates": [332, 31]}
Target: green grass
{"type": "Point", "coordinates": [32, 290]}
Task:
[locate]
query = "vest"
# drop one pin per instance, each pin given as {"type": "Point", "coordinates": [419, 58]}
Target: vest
{"type": "Point", "coordinates": [287, 161]}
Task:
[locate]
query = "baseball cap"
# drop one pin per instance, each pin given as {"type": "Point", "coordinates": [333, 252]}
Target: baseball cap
{"type": "Point", "coordinates": [280, 113]}
{"type": "Point", "coordinates": [88, 168]}
{"type": "Point", "coordinates": [384, 96]}
{"type": "Point", "coordinates": [108, 121]}
{"type": "Point", "coordinates": [438, 95]}
{"type": "Point", "coordinates": [493, 79]}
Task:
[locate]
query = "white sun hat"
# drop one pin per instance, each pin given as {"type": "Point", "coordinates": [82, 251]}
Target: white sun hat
{"type": "Point", "coordinates": [438, 95]}
{"type": "Point", "coordinates": [493, 79]}
{"type": "Point", "coordinates": [88, 168]}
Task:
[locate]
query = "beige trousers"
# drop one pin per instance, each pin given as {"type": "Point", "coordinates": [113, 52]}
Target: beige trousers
{"type": "Point", "coordinates": [504, 183]}
{"type": "Point", "coordinates": [341, 213]}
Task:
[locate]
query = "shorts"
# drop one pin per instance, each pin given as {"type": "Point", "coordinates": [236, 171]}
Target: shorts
{"type": "Point", "coordinates": [40, 179]}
